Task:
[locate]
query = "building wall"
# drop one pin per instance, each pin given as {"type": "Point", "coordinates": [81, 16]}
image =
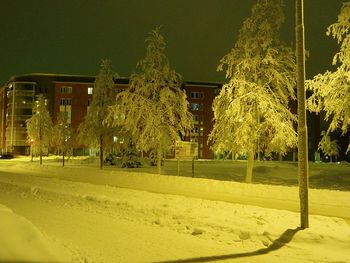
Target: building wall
{"type": "Point", "coordinates": [19, 104]}
{"type": "Point", "coordinates": [200, 97]}
{"type": "Point", "coordinates": [78, 96]}
{"type": "Point", "coordinates": [71, 93]}
{"type": "Point", "coordinates": [3, 103]}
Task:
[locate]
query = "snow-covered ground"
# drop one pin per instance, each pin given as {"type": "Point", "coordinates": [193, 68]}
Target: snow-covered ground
{"type": "Point", "coordinates": [79, 214]}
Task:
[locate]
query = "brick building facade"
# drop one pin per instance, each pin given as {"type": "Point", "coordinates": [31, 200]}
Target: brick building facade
{"type": "Point", "coordinates": [73, 94]}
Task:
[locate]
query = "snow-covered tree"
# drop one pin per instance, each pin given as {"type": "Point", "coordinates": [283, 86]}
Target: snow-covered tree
{"type": "Point", "coordinates": [39, 127]}
{"type": "Point", "coordinates": [63, 136]}
{"type": "Point", "coordinates": [153, 109]}
{"type": "Point", "coordinates": [251, 112]}
{"type": "Point", "coordinates": [328, 147]}
{"type": "Point", "coordinates": [331, 90]}
{"type": "Point", "coordinates": [94, 131]}
{"type": "Point", "coordinates": [129, 155]}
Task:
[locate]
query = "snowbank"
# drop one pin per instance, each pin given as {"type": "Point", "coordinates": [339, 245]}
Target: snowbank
{"type": "Point", "coordinates": [322, 202]}
{"type": "Point", "coordinates": [104, 217]}
{"type": "Point", "coordinates": [21, 241]}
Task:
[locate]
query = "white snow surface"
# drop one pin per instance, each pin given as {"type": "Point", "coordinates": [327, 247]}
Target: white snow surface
{"type": "Point", "coordinates": [75, 214]}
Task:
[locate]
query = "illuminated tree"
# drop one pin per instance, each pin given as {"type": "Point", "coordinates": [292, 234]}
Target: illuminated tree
{"type": "Point", "coordinates": [331, 90]}
{"type": "Point", "coordinates": [154, 109]}
{"type": "Point", "coordinates": [327, 146]}
{"type": "Point", "coordinates": [93, 131]}
{"type": "Point", "coordinates": [63, 136]}
{"type": "Point", "coordinates": [251, 112]}
{"type": "Point", "coordinates": [129, 155]}
{"type": "Point", "coordinates": [39, 127]}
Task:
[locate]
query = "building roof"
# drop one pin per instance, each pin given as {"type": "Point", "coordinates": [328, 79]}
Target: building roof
{"type": "Point", "coordinates": [52, 77]}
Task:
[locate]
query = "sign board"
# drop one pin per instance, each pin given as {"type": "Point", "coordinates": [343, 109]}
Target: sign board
{"type": "Point", "coordinates": [186, 150]}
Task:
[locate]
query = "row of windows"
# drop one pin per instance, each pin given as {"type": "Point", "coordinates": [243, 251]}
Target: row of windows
{"type": "Point", "coordinates": [90, 90]}
{"type": "Point", "coordinates": [197, 129]}
{"type": "Point", "coordinates": [196, 118]}
{"type": "Point", "coordinates": [42, 90]}
{"type": "Point", "coordinates": [66, 101]}
{"type": "Point", "coordinates": [68, 89]}
{"type": "Point", "coordinates": [197, 95]}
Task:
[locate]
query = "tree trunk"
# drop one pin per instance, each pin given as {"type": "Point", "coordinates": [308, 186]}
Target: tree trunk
{"type": "Point", "coordinates": [31, 152]}
{"type": "Point", "coordinates": [302, 126]}
{"type": "Point", "coordinates": [40, 153]}
{"type": "Point", "coordinates": [178, 166]}
{"type": "Point", "coordinates": [101, 152]}
{"type": "Point", "coordinates": [294, 157]}
{"type": "Point", "coordinates": [250, 164]}
{"type": "Point", "coordinates": [193, 167]}
{"type": "Point", "coordinates": [63, 158]}
{"type": "Point", "coordinates": [159, 161]}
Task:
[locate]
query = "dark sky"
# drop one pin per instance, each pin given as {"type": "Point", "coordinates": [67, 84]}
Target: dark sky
{"type": "Point", "coordinates": [72, 36]}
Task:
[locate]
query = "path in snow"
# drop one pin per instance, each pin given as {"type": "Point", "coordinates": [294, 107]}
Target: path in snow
{"type": "Point", "coordinates": [97, 230]}
{"type": "Point", "coordinates": [322, 202]}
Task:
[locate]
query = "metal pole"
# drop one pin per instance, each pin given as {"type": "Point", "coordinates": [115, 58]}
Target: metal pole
{"type": "Point", "coordinates": [12, 116]}
{"type": "Point", "coordinates": [302, 125]}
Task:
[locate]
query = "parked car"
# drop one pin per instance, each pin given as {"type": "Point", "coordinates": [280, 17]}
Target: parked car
{"type": "Point", "coordinates": [6, 155]}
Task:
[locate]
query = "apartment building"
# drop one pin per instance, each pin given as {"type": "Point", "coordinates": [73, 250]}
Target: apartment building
{"type": "Point", "coordinates": [73, 94]}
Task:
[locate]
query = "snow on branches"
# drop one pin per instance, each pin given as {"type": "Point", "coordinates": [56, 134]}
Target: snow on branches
{"type": "Point", "coordinates": [39, 127]}
{"type": "Point", "coordinates": [94, 131]}
{"type": "Point", "coordinates": [331, 90]}
{"type": "Point", "coordinates": [251, 113]}
{"type": "Point", "coordinates": [153, 109]}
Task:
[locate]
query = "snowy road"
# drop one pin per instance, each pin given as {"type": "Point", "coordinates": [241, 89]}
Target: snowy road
{"type": "Point", "coordinates": [94, 221]}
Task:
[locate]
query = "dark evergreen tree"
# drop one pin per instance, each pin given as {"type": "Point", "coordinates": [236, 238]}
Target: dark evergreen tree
{"type": "Point", "coordinates": [130, 155]}
{"type": "Point", "coordinates": [94, 131]}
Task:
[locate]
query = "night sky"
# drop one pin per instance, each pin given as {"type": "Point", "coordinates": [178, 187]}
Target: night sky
{"type": "Point", "coordinates": [72, 36]}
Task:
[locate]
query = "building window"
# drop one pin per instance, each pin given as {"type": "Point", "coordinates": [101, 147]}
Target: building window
{"type": "Point", "coordinates": [90, 90]}
{"type": "Point", "coordinates": [196, 106]}
{"type": "Point", "coordinates": [66, 106]}
{"type": "Point", "coordinates": [66, 89]}
{"type": "Point", "coordinates": [118, 140]}
{"type": "Point", "coordinates": [66, 101]}
{"type": "Point", "coordinates": [195, 131]}
{"type": "Point", "coordinates": [196, 95]}
{"type": "Point", "coordinates": [197, 119]}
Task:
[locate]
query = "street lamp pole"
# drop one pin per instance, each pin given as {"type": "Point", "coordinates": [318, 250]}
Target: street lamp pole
{"type": "Point", "coordinates": [302, 125]}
